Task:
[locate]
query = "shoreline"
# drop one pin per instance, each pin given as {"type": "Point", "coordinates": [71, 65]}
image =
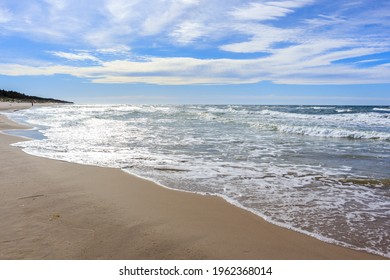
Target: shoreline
{"type": "Point", "coordinates": [61, 210]}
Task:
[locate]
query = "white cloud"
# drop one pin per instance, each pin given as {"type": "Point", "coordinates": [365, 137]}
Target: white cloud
{"type": "Point", "coordinates": [259, 11]}
{"type": "Point", "coordinates": [121, 11]}
{"type": "Point", "coordinates": [106, 23]}
{"type": "Point", "coordinates": [5, 15]}
{"type": "Point", "coordinates": [164, 14]}
{"type": "Point", "coordinates": [46, 21]}
{"type": "Point", "coordinates": [279, 68]}
{"type": "Point", "coordinates": [323, 20]}
{"type": "Point", "coordinates": [115, 50]}
{"type": "Point", "coordinates": [262, 38]}
{"type": "Point", "coordinates": [269, 10]}
{"type": "Point", "coordinates": [188, 31]}
{"type": "Point", "coordinates": [75, 56]}
{"type": "Point", "coordinates": [57, 4]}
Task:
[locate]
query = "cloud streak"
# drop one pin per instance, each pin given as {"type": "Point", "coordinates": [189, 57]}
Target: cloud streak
{"type": "Point", "coordinates": [294, 69]}
{"type": "Point", "coordinates": [75, 56]}
{"type": "Point", "coordinates": [267, 10]}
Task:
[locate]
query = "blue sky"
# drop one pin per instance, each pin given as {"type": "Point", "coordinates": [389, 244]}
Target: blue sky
{"type": "Point", "coordinates": [198, 51]}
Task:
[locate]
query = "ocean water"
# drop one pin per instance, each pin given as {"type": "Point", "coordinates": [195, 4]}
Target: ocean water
{"type": "Point", "coordinates": [320, 170]}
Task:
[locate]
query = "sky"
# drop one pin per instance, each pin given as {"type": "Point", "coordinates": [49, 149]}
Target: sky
{"type": "Point", "coordinates": [198, 51]}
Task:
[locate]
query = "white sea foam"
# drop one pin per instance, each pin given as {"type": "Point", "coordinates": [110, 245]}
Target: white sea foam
{"type": "Point", "coordinates": [333, 132]}
{"type": "Point", "coordinates": [321, 108]}
{"type": "Point", "coordinates": [343, 110]}
{"type": "Point", "coordinates": [382, 109]}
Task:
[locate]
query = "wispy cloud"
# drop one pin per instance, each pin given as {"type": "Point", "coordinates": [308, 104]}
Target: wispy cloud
{"type": "Point", "coordinates": [262, 38]}
{"type": "Point", "coordinates": [75, 56]}
{"type": "Point", "coordinates": [165, 14]}
{"type": "Point", "coordinates": [325, 20]}
{"type": "Point", "coordinates": [267, 10]}
{"type": "Point", "coordinates": [188, 32]}
{"type": "Point", "coordinates": [185, 71]}
{"type": "Point", "coordinates": [5, 15]}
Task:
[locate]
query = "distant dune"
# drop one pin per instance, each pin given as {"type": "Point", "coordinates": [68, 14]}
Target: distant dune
{"type": "Point", "coordinates": [13, 96]}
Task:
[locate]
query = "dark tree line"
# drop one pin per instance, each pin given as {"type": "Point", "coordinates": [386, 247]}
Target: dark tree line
{"type": "Point", "coordinates": [10, 95]}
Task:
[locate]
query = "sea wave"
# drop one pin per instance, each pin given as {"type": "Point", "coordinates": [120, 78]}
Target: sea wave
{"type": "Point", "coordinates": [382, 109]}
{"type": "Point", "coordinates": [333, 132]}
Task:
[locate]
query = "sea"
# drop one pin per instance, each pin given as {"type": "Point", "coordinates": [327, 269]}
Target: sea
{"type": "Point", "coordinates": [320, 170]}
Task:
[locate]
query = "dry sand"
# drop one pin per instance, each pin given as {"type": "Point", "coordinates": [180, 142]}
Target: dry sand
{"type": "Point", "coordinates": [13, 106]}
{"type": "Point", "coordinates": [57, 210]}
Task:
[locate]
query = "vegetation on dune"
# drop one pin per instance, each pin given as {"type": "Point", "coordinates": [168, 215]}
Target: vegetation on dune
{"type": "Point", "coordinates": [13, 96]}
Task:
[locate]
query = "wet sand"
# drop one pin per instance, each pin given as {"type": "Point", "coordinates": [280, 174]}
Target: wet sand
{"type": "Point", "coordinates": [57, 210]}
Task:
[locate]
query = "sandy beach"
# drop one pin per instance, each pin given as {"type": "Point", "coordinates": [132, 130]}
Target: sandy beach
{"type": "Point", "coordinates": [57, 210]}
{"type": "Point", "coordinates": [12, 106]}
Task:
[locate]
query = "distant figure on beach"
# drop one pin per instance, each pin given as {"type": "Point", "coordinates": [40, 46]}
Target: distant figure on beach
{"type": "Point", "coordinates": [32, 103]}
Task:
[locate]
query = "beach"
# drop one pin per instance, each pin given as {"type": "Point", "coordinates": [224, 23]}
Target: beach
{"type": "Point", "coordinates": [12, 106]}
{"type": "Point", "coordinates": [52, 209]}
